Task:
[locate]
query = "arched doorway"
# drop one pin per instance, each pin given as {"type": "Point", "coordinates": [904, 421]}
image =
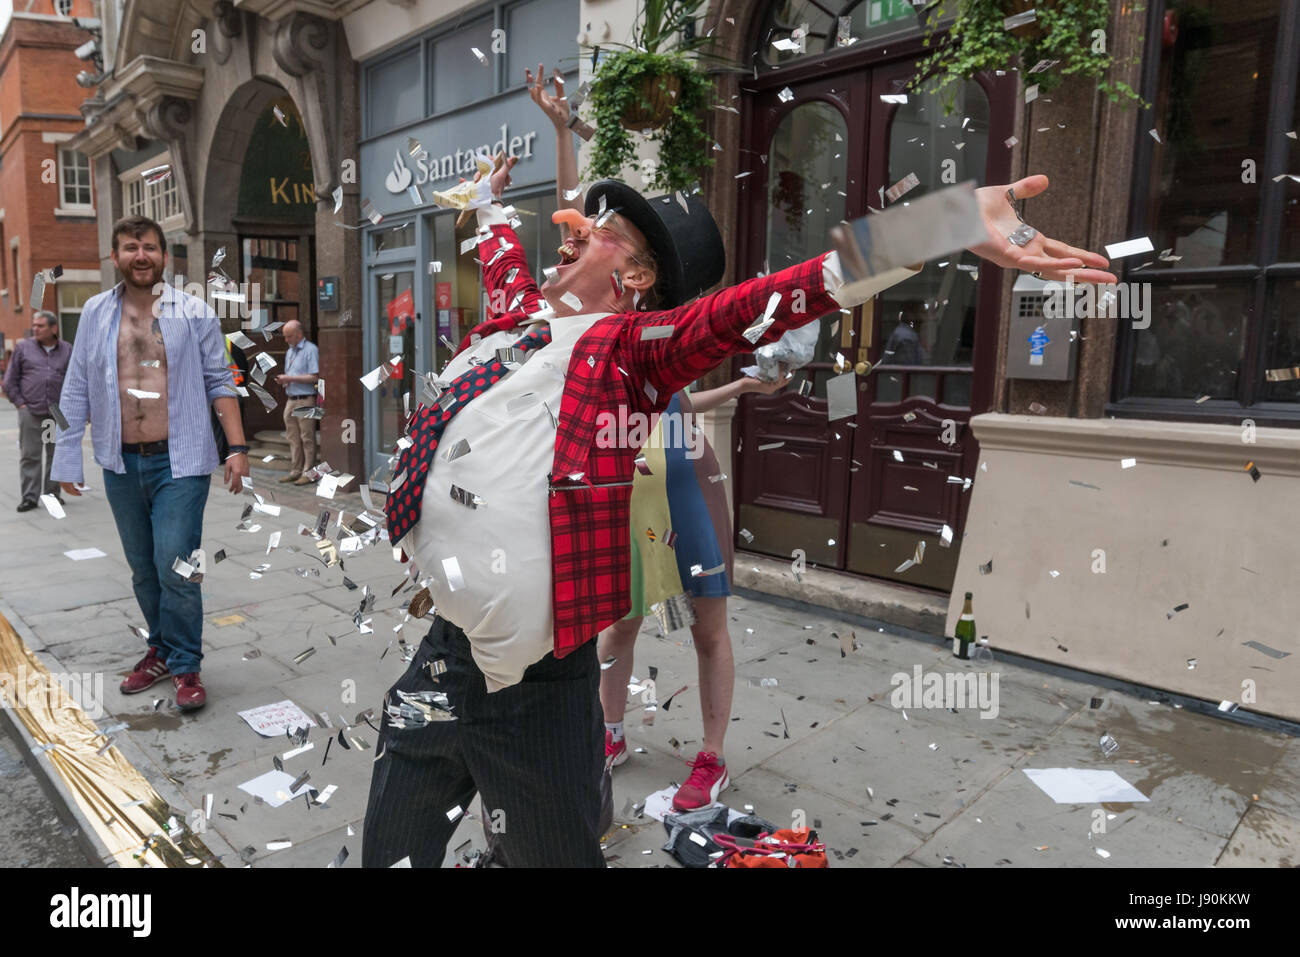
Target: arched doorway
{"type": "Point", "coordinates": [828, 133]}
{"type": "Point", "coordinates": [260, 207]}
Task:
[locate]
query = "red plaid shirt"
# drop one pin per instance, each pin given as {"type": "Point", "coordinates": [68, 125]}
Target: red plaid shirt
{"type": "Point", "coordinates": [613, 367]}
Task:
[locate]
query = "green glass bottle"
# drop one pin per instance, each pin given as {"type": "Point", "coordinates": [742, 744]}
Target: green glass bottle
{"type": "Point", "coordinates": [964, 633]}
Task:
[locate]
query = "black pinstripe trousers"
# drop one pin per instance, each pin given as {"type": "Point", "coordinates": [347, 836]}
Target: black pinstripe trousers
{"type": "Point", "coordinates": [533, 750]}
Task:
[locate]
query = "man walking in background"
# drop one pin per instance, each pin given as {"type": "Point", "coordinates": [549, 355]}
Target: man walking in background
{"type": "Point", "coordinates": [147, 363]}
{"type": "Point", "coordinates": [301, 370]}
{"type": "Point", "coordinates": [33, 381]}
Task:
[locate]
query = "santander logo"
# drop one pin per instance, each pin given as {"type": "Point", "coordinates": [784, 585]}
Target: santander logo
{"type": "Point", "coordinates": [400, 178]}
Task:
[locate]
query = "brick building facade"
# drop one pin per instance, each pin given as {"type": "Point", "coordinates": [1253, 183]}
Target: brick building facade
{"type": "Point", "coordinates": [47, 211]}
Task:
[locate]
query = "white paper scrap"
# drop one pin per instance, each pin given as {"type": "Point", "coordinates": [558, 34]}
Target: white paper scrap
{"type": "Point", "coordinates": [53, 506]}
{"type": "Point", "coordinates": [1084, 786]}
{"type": "Point", "coordinates": [273, 787]}
{"type": "Point", "coordinates": [1129, 247]}
{"type": "Point", "coordinates": [81, 554]}
{"type": "Point", "coordinates": [273, 720]}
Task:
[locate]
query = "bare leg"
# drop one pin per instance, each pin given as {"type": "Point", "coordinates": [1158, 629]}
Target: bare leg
{"type": "Point", "coordinates": [617, 640]}
{"type": "Point", "coordinates": [717, 669]}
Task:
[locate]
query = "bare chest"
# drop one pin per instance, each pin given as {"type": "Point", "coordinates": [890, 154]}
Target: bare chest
{"type": "Point", "coordinates": [139, 344]}
{"type": "Point", "coordinates": [142, 377]}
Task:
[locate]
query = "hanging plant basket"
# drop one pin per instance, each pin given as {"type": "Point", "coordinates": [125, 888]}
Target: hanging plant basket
{"type": "Point", "coordinates": [658, 95]}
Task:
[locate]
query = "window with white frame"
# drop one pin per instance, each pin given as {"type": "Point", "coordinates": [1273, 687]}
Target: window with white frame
{"type": "Point", "coordinates": [160, 199]}
{"type": "Point", "coordinates": [74, 180]}
{"type": "Point", "coordinates": [72, 298]}
{"type": "Point", "coordinates": [63, 8]}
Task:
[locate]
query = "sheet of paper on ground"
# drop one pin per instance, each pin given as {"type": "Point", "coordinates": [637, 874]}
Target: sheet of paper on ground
{"type": "Point", "coordinates": [1084, 786]}
{"type": "Point", "coordinates": [272, 720]}
{"type": "Point", "coordinates": [273, 787]}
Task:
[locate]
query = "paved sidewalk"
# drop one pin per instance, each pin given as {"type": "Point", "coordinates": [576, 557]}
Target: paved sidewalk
{"type": "Point", "coordinates": [927, 788]}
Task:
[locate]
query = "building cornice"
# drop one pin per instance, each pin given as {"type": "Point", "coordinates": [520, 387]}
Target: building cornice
{"type": "Point", "coordinates": [138, 90]}
{"type": "Point", "coordinates": [115, 126]}
{"type": "Point", "coordinates": [150, 79]}
{"type": "Point", "coordinates": [276, 10]}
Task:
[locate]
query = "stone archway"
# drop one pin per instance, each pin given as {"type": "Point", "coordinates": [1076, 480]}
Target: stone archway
{"type": "Point", "coordinates": [226, 150]}
{"type": "Point", "coordinates": [259, 204]}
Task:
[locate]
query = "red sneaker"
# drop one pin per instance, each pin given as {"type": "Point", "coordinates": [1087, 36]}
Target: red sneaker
{"type": "Point", "coordinates": [615, 751]}
{"type": "Point", "coordinates": [190, 695]}
{"type": "Point", "coordinates": [148, 672]}
{"type": "Point", "coordinates": [706, 782]}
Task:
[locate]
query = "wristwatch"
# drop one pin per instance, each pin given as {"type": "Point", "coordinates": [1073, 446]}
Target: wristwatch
{"type": "Point", "coordinates": [236, 450]}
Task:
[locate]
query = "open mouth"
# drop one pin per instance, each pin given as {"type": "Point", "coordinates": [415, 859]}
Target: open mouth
{"type": "Point", "coordinates": [570, 252]}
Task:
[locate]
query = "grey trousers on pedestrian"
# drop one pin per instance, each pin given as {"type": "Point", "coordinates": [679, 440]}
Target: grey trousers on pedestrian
{"type": "Point", "coordinates": [34, 475]}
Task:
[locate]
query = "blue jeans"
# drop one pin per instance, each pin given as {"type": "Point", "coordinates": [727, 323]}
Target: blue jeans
{"type": "Point", "coordinates": [160, 518]}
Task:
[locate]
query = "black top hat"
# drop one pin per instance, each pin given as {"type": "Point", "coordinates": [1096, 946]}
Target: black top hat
{"type": "Point", "coordinates": [685, 242]}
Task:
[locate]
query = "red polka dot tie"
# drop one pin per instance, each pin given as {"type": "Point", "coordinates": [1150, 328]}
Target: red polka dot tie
{"type": "Point", "coordinates": [405, 501]}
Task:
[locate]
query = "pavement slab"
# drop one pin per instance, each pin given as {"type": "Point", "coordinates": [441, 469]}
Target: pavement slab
{"type": "Point", "coordinates": [815, 736]}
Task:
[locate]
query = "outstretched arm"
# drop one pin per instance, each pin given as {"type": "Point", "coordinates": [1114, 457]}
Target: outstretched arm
{"type": "Point", "coordinates": [711, 329]}
{"type": "Point", "coordinates": [556, 109]}
{"type": "Point", "coordinates": [710, 399]}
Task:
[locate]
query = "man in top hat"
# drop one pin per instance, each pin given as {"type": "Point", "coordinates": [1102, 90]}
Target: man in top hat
{"type": "Point", "coordinates": [517, 519]}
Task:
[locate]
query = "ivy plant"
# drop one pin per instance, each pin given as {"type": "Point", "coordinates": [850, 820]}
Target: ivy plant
{"type": "Point", "coordinates": [683, 143]}
{"type": "Point", "coordinates": [665, 44]}
{"type": "Point", "coordinates": [1071, 36]}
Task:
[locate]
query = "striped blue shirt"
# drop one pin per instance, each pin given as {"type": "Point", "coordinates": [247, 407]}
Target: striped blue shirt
{"type": "Point", "coordinates": [302, 359]}
{"type": "Point", "coordinates": [196, 374]}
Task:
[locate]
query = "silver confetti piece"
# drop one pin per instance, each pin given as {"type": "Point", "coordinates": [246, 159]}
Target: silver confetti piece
{"type": "Point", "coordinates": [1022, 234]}
{"type": "Point", "coordinates": [675, 612]}
{"type": "Point", "coordinates": [1265, 649]}
{"type": "Point", "coordinates": [456, 451]}
{"type": "Point", "coordinates": [466, 497]}
{"type": "Point", "coordinates": [904, 185]}
{"type": "Point", "coordinates": [451, 569]}
{"type": "Point", "coordinates": [58, 416]}
{"type": "Point", "coordinates": [656, 332]}
{"type": "Point", "coordinates": [763, 322]}
{"type": "Point", "coordinates": [38, 291]}
{"type": "Point", "coordinates": [1108, 745]}
{"type": "Point", "coordinates": [267, 400]}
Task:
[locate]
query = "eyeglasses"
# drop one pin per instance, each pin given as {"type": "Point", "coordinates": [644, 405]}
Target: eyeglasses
{"type": "Point", "coordinates": [611, 234]}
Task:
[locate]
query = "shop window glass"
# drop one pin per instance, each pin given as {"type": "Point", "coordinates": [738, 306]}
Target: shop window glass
{"type": "Point", "coordinates": [1214, 336]}
{"type": "Point", "coordinates": [808, 174]}
{"type": "Point", "coordinates": [395, 92]}
{"type": "Point", "coordinates": [535, 31]}
{"type": "Point", "coordinates": [458, 76]}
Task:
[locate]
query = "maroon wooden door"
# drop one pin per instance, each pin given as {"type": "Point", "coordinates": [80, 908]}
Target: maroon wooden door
{"type": "Point", "coordinates": [792, 481]}
{"type": "Point", "coordinates": [861, 494]}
